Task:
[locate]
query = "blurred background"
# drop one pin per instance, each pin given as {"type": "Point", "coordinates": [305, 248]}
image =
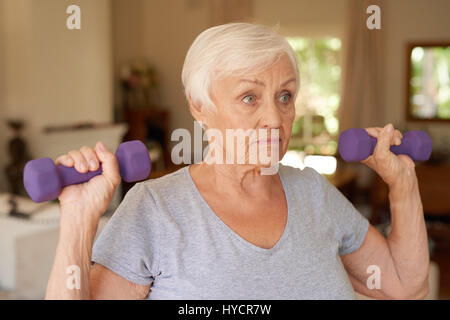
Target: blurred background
{"type": "Point", "coordinates": [119, 78]}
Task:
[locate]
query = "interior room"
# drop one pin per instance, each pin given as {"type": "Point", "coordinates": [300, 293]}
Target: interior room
{"type": "Point", "coordinates": [110, 71]}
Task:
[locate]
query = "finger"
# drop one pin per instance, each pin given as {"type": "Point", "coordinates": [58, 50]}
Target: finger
{"type": "Point", "coordinates": [65, 160]}
{"type": "Point", "coordinates": [81, 164]}
{"type": "Point", "coordinates": [374, 131]}
{"type": "Point", "coordinates": [384, 142]}
{"type": "Point", "coordinates": [397, 137]}
{"type": "Point", "coordinates": [368, 161]}
{"type": "Point", "coordinates": [394, 134]}
{"type": "Point", "coordinates": [91, 157]}
{"type": "Point", "coordinates": [110, 166]}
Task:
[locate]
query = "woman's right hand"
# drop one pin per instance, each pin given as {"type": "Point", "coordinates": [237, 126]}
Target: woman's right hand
{"type": "Point", "coordinates": [89, 199]}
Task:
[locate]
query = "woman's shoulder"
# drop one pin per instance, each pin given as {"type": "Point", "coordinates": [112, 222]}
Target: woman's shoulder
{"type": "Point", "coordinates": [169, 187]}
{"type": "Point", "coordinates": [155, 195]}
{"type": "Point", "coordinates": [153, 188]}
{"type": "Point", "coordinates": [168, 182]}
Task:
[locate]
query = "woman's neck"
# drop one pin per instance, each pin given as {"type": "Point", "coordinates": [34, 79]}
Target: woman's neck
{"type": "Point", "coordinates": [245, 180]}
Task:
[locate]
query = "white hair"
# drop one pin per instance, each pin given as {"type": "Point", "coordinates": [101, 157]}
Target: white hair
{"type": "Point", "coordinates": [233, 49]}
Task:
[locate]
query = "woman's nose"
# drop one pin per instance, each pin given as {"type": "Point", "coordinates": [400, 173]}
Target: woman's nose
{"type": "Point", "coordinates": [271, 117]}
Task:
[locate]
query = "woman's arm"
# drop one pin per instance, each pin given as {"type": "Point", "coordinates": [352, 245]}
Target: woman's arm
{"type": "Point", "coordinates": [97, 282]}
{"type": "Point", "coordinates": [70, 274]}
{"type": "Point", "coordinates": [82, 205]}
{"type": "Point", "coordinates": [402, 258]}
{"type": "Point", "coordinates": [108, 285]}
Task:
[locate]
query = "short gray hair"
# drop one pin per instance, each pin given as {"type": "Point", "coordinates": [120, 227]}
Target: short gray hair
{"type": "Point", "coordinates": [232, 49]}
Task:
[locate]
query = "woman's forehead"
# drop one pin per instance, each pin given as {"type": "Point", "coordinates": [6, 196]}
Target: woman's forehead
{"type": "Point", "coordinates": [282, 70]}
{"type": "Point", "coordinates": [262, 80]}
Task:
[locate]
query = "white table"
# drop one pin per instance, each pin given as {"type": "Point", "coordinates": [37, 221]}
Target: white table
{"type": "Point", "coordinates": [27, 247]}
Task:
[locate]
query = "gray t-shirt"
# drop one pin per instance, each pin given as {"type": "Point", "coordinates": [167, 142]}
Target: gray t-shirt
{"type": "Point", "coordinates": [165, 234]}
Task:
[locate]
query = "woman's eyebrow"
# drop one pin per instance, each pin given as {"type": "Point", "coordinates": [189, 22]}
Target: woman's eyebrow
{"type": "Point", "coordinates": [287, 81]}
{"type": "Point", "coordinates": [257, 82]}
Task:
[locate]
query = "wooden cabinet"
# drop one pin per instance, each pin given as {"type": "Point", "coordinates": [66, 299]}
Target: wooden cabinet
{"type": "Point", "coordinates": [434, 186]}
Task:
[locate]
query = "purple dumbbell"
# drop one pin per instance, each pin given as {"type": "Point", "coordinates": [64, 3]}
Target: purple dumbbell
{"type": "Point", "coordinates": [356, 145]}
{"type": "Point", "coordinates": [44, 181]}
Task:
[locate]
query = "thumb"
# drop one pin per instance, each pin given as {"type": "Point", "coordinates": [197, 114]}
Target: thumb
{"type": "Point", "coordinates": [110, 166]}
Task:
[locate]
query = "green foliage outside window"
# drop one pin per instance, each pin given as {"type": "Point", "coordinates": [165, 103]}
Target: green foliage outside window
{"type": "Point", "coordinates": [430, 82]}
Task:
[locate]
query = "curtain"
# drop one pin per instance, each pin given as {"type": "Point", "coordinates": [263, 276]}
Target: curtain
{"type": "Point", "coordinates": [361, 96]}
{"type": "Point", "coordinates": [361, 88]}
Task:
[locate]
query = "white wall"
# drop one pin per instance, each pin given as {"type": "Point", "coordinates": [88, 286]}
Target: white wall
{"type": "Point", "coordinates": [52, 75]}
{"type": "Point", "coordinates": [55, 75]}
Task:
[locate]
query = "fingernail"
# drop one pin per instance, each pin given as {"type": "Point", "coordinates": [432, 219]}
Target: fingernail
{"type": "Point", "coordinates": [82, 167]}
{"type": "Point", "coordinates": [101, 146]}
{"type": "Point", "coordinates": [389, 128]}
{"type": "Point", "coordinates": [92, 164]}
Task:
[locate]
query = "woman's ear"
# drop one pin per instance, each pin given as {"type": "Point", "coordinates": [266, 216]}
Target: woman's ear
{"type": "Point", "coordinates": [197, 111]}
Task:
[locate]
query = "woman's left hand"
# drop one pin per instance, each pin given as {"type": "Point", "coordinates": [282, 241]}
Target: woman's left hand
{"type": "Point", "coordinates": [393, 169]}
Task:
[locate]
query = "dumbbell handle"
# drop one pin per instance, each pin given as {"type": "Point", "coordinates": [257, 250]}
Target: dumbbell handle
{"type": "Point", "coordinates": [69, 175]}
{"type": "Point", "coordinates": [402, 148]}
{"type": "Point", "coordinates": [356, 145]}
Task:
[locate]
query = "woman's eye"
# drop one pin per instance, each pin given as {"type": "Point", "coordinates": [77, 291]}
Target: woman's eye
{"type": "Point", "coordinates": [287, 97]}
{"type": "Point", "coordinates": [251, 101]}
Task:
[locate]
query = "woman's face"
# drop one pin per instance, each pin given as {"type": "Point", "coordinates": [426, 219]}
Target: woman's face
{"type": "Point", "coordinates": [262, 101]}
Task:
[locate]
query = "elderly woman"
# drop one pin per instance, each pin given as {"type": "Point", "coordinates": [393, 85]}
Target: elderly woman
{"type": "Point", "coordinates": [225, 230]}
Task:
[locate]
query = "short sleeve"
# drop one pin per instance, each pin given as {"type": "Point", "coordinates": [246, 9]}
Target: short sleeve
{"type": "Point", "coordinates": [350, 227]}
{"type": "Point", "coordinates": [128, 244]}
